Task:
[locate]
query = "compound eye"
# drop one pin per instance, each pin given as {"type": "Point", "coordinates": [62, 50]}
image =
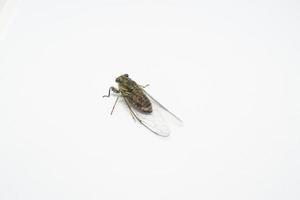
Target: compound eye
{"type": "Point", "coordinates": [126, 75]}
{"type": "Point", "coordinates": [117, 80]}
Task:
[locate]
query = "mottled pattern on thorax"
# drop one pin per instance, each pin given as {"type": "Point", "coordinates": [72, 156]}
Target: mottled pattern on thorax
{"type": "Point", "coordinates": [135, 95]}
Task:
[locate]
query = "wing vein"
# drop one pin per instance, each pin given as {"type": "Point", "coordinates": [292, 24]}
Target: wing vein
{"type": "Point", "coordinates": [163, 107]}
{"type": "Point", "coordinates": [141, 121]}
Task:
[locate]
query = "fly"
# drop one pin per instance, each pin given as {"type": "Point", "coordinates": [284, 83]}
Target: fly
{"type": "Point", "coordinates": [143, 107]}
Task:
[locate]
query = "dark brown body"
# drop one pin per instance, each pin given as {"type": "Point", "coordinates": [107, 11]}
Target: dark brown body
{"type": "Point", "coordinates": [140, 101]}
{"type": "Point", "coordinates": [134, 94]}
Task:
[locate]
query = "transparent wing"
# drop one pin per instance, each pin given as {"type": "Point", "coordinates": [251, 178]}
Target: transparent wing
{"type": "Point", "coordinates": [153, 121]}
{"type": "Point", "coordinates": [158, 105]}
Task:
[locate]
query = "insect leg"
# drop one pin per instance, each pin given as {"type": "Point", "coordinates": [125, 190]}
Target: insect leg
{"type": "Point", "coordinates": [144, 86]}
{"type": "Point", "coordinates": [139, 120]}
{"type": "Point", "coordinates": [112, 110]}
{"type": "Point", "coordinates": [115, 90]}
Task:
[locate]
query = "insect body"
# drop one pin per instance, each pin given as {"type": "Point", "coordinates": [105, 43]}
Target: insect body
{"type": "Point", "coordinates": [137, 99]}
{"type": "Point", "coordinates": [134, 94]}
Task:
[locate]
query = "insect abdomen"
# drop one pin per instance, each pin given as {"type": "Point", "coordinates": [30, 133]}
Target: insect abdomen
{"type": "Point", "coordinates": [141, 102]}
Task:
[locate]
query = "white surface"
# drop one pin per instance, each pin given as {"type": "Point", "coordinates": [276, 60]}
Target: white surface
{"type": "Point", "coordinates": [229, 69]}
{"type": "Point", "coordinates": [7, 11]}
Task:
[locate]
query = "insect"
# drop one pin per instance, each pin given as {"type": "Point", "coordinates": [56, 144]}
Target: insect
{"type": "Point", "coordinates": [143, 107]}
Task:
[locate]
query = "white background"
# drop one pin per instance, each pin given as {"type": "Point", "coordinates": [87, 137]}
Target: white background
{"type": "Point", "coordinates": [229, 69]}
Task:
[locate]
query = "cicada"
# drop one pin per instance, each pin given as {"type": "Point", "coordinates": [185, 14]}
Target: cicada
{"type": "Point", "coordinates": [143, 107]}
